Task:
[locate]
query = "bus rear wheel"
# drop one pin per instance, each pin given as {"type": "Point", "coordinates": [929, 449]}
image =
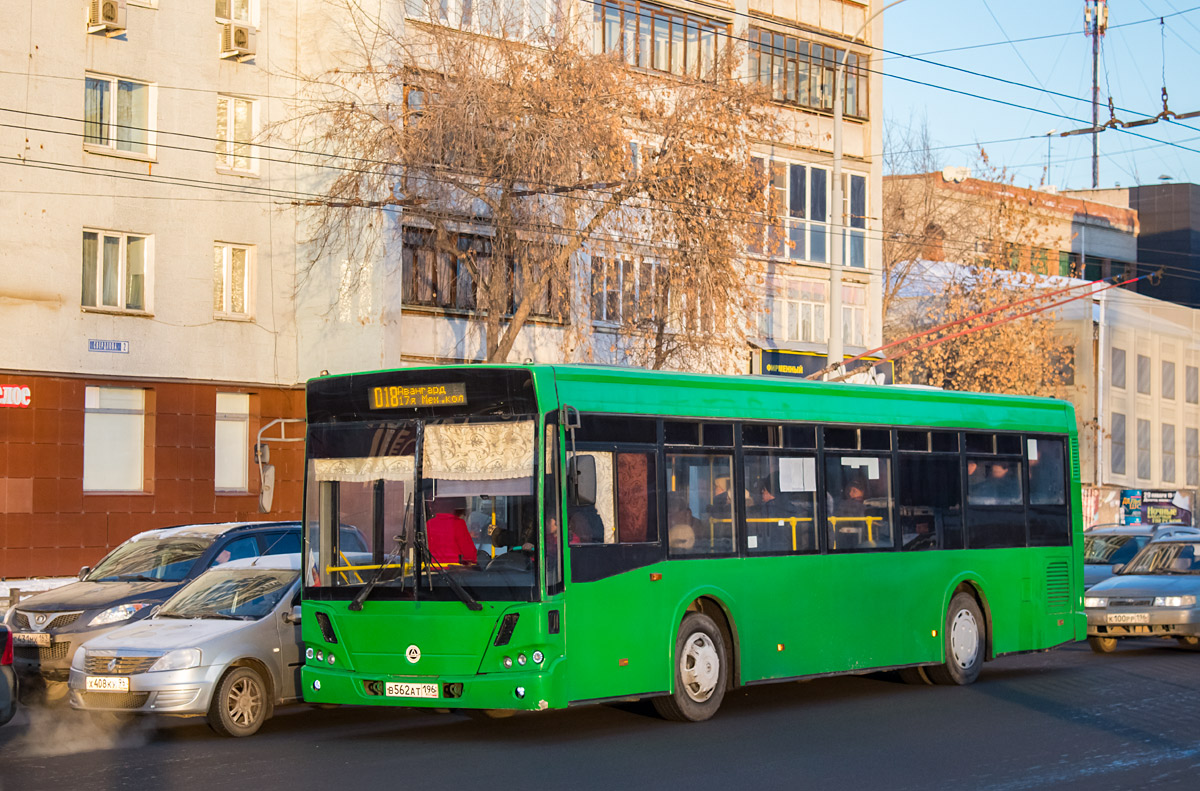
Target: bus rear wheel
{"type": "Point", "coordinates": [964, 643]}
{"type": "Point", "coordinates": [701, 672]}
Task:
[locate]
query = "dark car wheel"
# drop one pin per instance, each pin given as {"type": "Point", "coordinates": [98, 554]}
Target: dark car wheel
{"type": "Point", "coordinates": [241, 703]}
{"type": "Point", "coordinates": [1103, 645]}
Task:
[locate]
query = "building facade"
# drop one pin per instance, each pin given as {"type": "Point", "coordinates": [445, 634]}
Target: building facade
{"type": "Point", "coordinates": [160, 298]}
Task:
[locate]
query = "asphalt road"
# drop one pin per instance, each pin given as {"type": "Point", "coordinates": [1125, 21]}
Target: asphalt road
{"type": "Point", "coordinates": [1064, 719]}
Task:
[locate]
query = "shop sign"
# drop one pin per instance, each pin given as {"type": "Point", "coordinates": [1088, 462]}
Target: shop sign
{"type": "Point", "coordinates": [783, 362]}
{"type": "Point", "coordinates": [15, 396]}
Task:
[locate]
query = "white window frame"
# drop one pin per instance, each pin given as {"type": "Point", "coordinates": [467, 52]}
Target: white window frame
{"type": "Point", "coordinates": [850, 233]}
{"type": "Point", "coordinates": [225, 311]}
{"type": "Point", "coordinates": [111, 145]}
{"type": "Point", "coordinates": [104, 458]}
{"type": "Point", "coordinates": [227, 143]}
{"type": "Point", "coordinates": [122, 272]}
{"type": "Point", "coordinates": [854, 316]}
{"type": "Point", "coordinates": [787, 308]}
{"type": "Point", "coordinates": [251, 12]}
{"type": "Point", "coordinates": [231, 443]}
{"type": "Point", "coordinates": [452, 12]}
{"type": "Point", "coordinates": [812, 233]}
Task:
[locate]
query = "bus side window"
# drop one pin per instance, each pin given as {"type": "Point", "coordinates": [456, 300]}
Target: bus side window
{"type": "Point", "coordinates": [859, 497]}
{"type": "Point", "coordinates": [595, 524]}
{"type": "Point", "coordinates": [1049, 510]}
{"type": "Point", "coordinates": [780, 508]}
{"type": "Point", "coordinates": [930, 501]}
{"type": "Point", "coordinates": [699, 504]}
{"type": "Point", "coordinates": [637, 498]}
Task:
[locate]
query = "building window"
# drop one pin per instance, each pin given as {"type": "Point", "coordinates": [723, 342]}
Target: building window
{"type": "Point", "coordinates": [115, 271]}
{"type": "Point", "coordinates": [1118, 367]}
{"type": "Point", "coordinates": [1143, 374]}
{"type": "Point", "coordinates": [231, 280]}
{"type": "Point", "coordinates": [233, 11]}
{"type": "Point", "coordinates": [118, 115]}
{"type": "Point", "coordinates": [1168, 379]}
{"type": "Point", "coordinates": [801, 73]}
{"type": "Point", "coordinates": [1191, 384]}
{"type": "Point", "coordinates": [622, 290]}
{"type": "Point", "coordinates": [655, 37]}
{"type": "Point", "coordinates": [235, 130]}
{"type": "Point", "coordinates": [854, 211]}
{"type": "Point", "coordinates": [797, 204]}
{"type": "Point", "coordinates": [440, 273]}
{"type": "Point", "coordinates": [1118, 444]}
{"type": "Point", "coordinates": [1168, 452]}
{"type": "Point", "coordinates": [232, 442]}
{"type": "Point", "coordinates": [1191, 441]}
{"type": "Point", "coordinates": [1143, 445]}
{"type": "Point", "coordinates": [114, 431]}
{"type": "Point", "coordinates": [795, 310]}
{"type": "Point", "coordinates": [854, 315]}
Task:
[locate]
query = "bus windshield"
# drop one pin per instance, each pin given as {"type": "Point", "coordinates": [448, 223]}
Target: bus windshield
{"type": "Point", "coordinates": [471, 518]}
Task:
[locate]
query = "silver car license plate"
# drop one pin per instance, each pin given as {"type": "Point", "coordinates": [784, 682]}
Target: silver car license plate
{"type": "Point", "coordinates": [106, 684]}
{"type": "Point", "coordinates": [400, 689]}
{"type": "Point", "coordinates": [40, 639]}
{"type": "Point", "coordinates": [1128, 617]}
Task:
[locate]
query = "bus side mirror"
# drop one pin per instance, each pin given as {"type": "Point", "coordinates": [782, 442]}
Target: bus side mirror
{"type": "Point", "coordinates": [83, 572]}
{"type": "Point", "coordinates": [581, 480]}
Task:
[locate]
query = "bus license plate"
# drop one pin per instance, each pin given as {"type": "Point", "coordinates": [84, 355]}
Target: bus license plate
{"type": "Point", "coordinates": [106, 684]}
{"type": "Point", "coordinates": [40, 639]}
{"type": "Point", "coordinates": [397, 689]}
{"type": "Point", "coordinates": [1128, 617]}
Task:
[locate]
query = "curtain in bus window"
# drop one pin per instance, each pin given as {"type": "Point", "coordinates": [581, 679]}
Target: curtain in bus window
{"type": "Point", "coordinates": [780, 508]}
{"type": "Point", "coordinates": [479, 451]}
{"type": "Point", "coordinates": [929, 496]}
{"type": "Point", "coordinates": [637, 498]}
{"type": "Point", "coordinates": [368, 468]}
{"type": "Point", "coordinates": [699, 504]}
{"type": "Point", "coordinates": [595, 524]}
{"type": "Point", "coordinates": [859, 495]}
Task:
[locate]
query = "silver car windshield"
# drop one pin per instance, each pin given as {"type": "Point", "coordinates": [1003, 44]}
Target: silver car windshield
{"type": "Point", "coordinates": [1167, 557]}
{"type": "Point", "coordinates": [241, 593]}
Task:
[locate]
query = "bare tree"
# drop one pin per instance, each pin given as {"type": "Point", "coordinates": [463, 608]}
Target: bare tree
{"type": "Point", "coordinates": [956, 247]}
{"type": "Point", "coordinates": [513, 163]}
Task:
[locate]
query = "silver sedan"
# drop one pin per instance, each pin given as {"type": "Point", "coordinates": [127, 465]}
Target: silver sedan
{"type": "Point", "coordinates": [226, 646]}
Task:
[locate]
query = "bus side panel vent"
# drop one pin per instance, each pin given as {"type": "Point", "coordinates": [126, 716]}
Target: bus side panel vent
{"type": "Point", "coordinates": [506, 628]}
{"type": "Point", "coordinates": [553, 622]}
{"type": "Point", "coordinates": [1075, 458]}
{"type": "Point", "coordinates": [326, 627]}
{"type": "Point", "coordinates": [1058, 587]}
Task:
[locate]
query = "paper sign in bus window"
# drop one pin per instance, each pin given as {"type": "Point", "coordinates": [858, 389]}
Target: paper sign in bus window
{"type": "Point", "coordinates": [858, 462]}
{"type": "Point", "coordinates": [798, 475]}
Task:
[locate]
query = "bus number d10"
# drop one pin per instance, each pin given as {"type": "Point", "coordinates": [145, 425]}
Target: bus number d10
{"type": "Point", "coordinates": [422, 395]}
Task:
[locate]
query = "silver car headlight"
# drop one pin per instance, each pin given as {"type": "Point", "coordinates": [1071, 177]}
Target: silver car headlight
{"type": "Point", "coordinates": [1095, 601]}
{"type": "Point", "coordinates": [1174, 601]}
{"type": "Point", "coordinates": [122, 612]}
{"type": "Point", "coordinates": [179, 659]}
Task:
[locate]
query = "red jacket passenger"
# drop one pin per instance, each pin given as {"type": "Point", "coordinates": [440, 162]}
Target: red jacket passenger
{"type": "Point", "coordinates": [449, 540]}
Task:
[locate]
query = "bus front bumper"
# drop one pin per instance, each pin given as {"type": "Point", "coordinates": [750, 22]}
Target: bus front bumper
{"type": "Point", "coordinates": [527, 690]}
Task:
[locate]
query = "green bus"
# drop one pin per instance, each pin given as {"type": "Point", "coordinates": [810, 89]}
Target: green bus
{"type": "Point", "coordinates": [533, 537]}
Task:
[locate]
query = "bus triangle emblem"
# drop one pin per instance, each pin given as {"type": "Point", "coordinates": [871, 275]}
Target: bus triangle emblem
{"type": "Point", "coordinates": [413, 654]}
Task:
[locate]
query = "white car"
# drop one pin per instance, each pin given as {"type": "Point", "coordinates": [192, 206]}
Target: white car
{"type": "Point", "coordinates": [226, 646]}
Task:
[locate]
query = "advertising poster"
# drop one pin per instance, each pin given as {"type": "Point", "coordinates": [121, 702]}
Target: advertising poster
{"type": "Point", "coordinates": [1155, 507]}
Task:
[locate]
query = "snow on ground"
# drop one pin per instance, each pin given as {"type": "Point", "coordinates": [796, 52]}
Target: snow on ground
{"type": "Point", "coordinates": [35, 585]}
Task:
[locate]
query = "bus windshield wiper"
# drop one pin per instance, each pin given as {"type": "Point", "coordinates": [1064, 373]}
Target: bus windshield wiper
{"type": "Point", "coordinates": [365, 591]}
{"type": "Point", "coordinates": [433, 565]}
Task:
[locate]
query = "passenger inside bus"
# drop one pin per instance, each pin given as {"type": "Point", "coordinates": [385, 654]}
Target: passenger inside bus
{"type": "Point", "coordinates": [449, 540]}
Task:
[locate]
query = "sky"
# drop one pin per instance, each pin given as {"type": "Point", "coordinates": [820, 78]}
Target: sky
{"type": "Point", "coordinates": [985, 35]}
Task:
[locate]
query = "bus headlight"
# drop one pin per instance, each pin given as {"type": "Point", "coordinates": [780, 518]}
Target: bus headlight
{"type": "Point", "coordinates": [1174, 601]}
{"type": "Point", "coordinates": [1095, 601]}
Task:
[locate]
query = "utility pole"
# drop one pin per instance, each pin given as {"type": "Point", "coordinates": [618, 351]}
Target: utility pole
{"type": "Point", "coordinates": [1095, 24]}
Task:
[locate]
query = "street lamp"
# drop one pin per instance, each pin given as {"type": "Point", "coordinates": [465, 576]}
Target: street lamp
{"type": "Point", "coordinates": [1049, 136]}
{"type": "Point", "coordinates": [836, 353]}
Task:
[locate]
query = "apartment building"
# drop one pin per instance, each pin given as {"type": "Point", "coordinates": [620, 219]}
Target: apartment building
{"type": "Point", "coordinates": [147, 277]}
{"type": "Point", "coordinates": [163, 306]}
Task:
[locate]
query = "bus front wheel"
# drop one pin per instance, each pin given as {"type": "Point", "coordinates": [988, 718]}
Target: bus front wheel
{"type": "Point", "coordinates": [964, 639]}
{"type": "Point", "coordinates": [700, 671]}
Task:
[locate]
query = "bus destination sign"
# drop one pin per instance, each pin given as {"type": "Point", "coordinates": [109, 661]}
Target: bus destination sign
{"type": "Point", "coordinates": [398, 397]}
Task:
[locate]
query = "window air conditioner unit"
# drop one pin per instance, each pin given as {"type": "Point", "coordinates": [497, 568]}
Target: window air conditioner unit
{"type": "Point", "coordinates": [237, 40]}
{"type": "Point", "coordinates": [106, 16]}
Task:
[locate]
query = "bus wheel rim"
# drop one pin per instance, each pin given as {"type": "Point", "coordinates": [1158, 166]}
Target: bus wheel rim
{"type": "Point", "coordinates": [964, 638]}
{"type": "Point", "coordinates": [699, 667]}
